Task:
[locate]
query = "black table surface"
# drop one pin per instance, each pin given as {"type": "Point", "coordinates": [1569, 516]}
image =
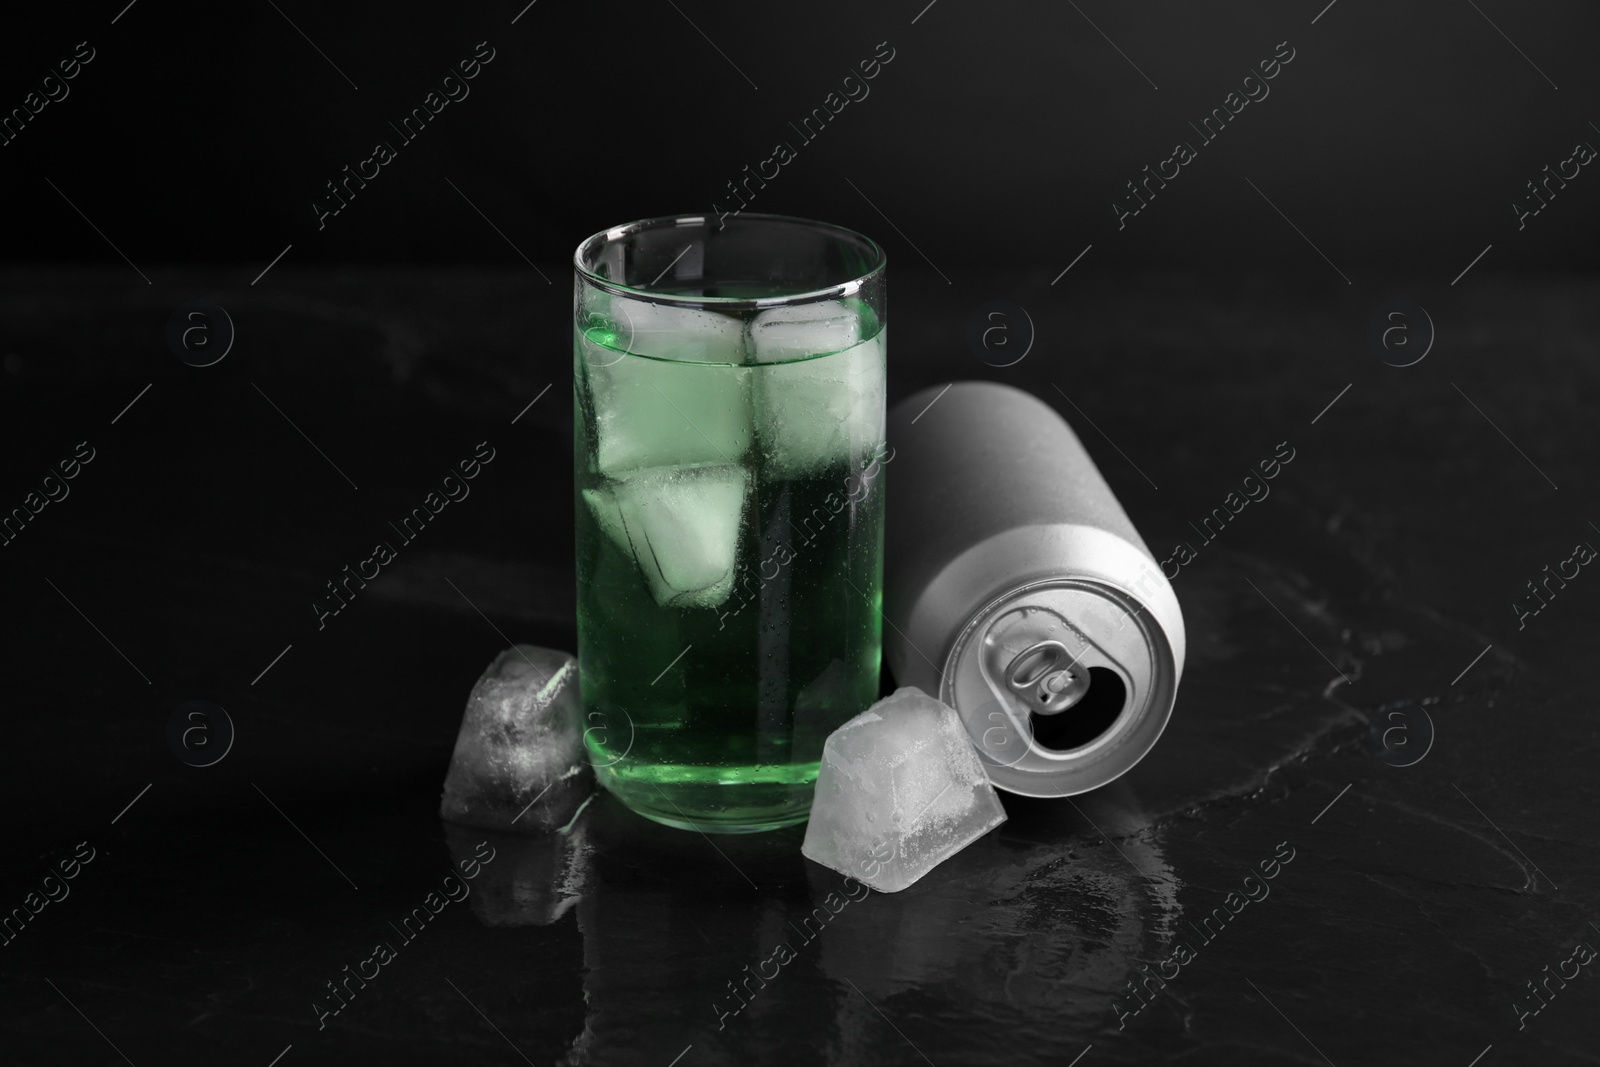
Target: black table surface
{"type": "Point", "coordinates": [1366, 710]}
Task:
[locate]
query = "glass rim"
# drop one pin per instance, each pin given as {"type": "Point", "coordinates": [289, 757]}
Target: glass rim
{"type": "Point", "coordinates": [832, 292]}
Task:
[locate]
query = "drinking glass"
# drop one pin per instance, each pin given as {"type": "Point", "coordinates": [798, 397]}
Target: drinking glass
{"type": "Point", "coordinates": [728, 388]}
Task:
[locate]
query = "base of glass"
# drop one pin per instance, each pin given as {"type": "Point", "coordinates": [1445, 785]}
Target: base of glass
{"type": "Point", "coordinates": [678, 822]}
{"type": "Point", "coordinates": [714, 801]}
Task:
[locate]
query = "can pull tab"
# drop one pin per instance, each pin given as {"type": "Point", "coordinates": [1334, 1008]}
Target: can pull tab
{"type": "Point", "coordinates": [1047, 678]}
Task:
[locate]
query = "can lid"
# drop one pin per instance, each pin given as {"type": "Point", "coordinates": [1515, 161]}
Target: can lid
{"type": "Point", "coordinates": [1063, 685]}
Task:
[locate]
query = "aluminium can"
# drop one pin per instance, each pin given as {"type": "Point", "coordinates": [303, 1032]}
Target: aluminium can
{"type": "Point", "coordinates": [1017, 590]}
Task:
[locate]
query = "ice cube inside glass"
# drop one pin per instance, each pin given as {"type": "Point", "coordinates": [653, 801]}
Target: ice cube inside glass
{"type": "Point", "coordinates": [728, 385]}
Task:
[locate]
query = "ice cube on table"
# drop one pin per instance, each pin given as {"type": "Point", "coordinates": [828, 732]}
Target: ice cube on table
{"type": "Point", "coordinates": [803, 330]}
{"type": "Point", "coordinates": [649, 412]}
{"type": "Point", "coordinates": [519, 763]}
{"type": "Point", "coordinates": [825, 411]}
{"type": "Point", "coordinates": [900, 790]}
{"type": "Point", "coordinates": [680, 524]}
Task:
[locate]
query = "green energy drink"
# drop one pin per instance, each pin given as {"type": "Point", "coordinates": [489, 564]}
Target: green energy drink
{"type": "Point", "coordinates": [729, 499]}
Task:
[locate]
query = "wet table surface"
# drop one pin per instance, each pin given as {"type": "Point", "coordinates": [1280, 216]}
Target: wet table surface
{"type": "Point", "coordinates": [1367, 836]}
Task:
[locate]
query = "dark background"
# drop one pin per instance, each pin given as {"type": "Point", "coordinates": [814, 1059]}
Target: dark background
{"type": "Point", "coordinates": [1380, 579]}
{"type": "Point", "coordinates": [999, 134]}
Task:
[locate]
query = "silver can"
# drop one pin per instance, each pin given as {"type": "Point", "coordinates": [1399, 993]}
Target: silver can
{"type": "Point", "coordinates": [1017, 590]}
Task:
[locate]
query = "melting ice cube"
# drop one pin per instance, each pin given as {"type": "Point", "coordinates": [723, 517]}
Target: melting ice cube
{"type": "Point", "coordinates": [685, 405]}
{"type": "Point", "coordinates": [669, 331]}
{"type": "Point", "coordinates": [519, 763]}
{"type": "Point", "coordinates": [803, 330]}
{"type": "Point", "coordinates": [900, 790]}
{"type": "Point", "coordinates": [823, 411]}
{"type": "Point", "coordinates": [681, 525]}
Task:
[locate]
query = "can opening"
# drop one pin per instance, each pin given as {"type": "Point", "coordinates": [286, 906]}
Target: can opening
{"type": "Point", "coordinates": [1093, 714]}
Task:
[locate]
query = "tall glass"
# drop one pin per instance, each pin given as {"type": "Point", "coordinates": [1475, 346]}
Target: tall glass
{"type": "Point", "coordinates": [728, 388]}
